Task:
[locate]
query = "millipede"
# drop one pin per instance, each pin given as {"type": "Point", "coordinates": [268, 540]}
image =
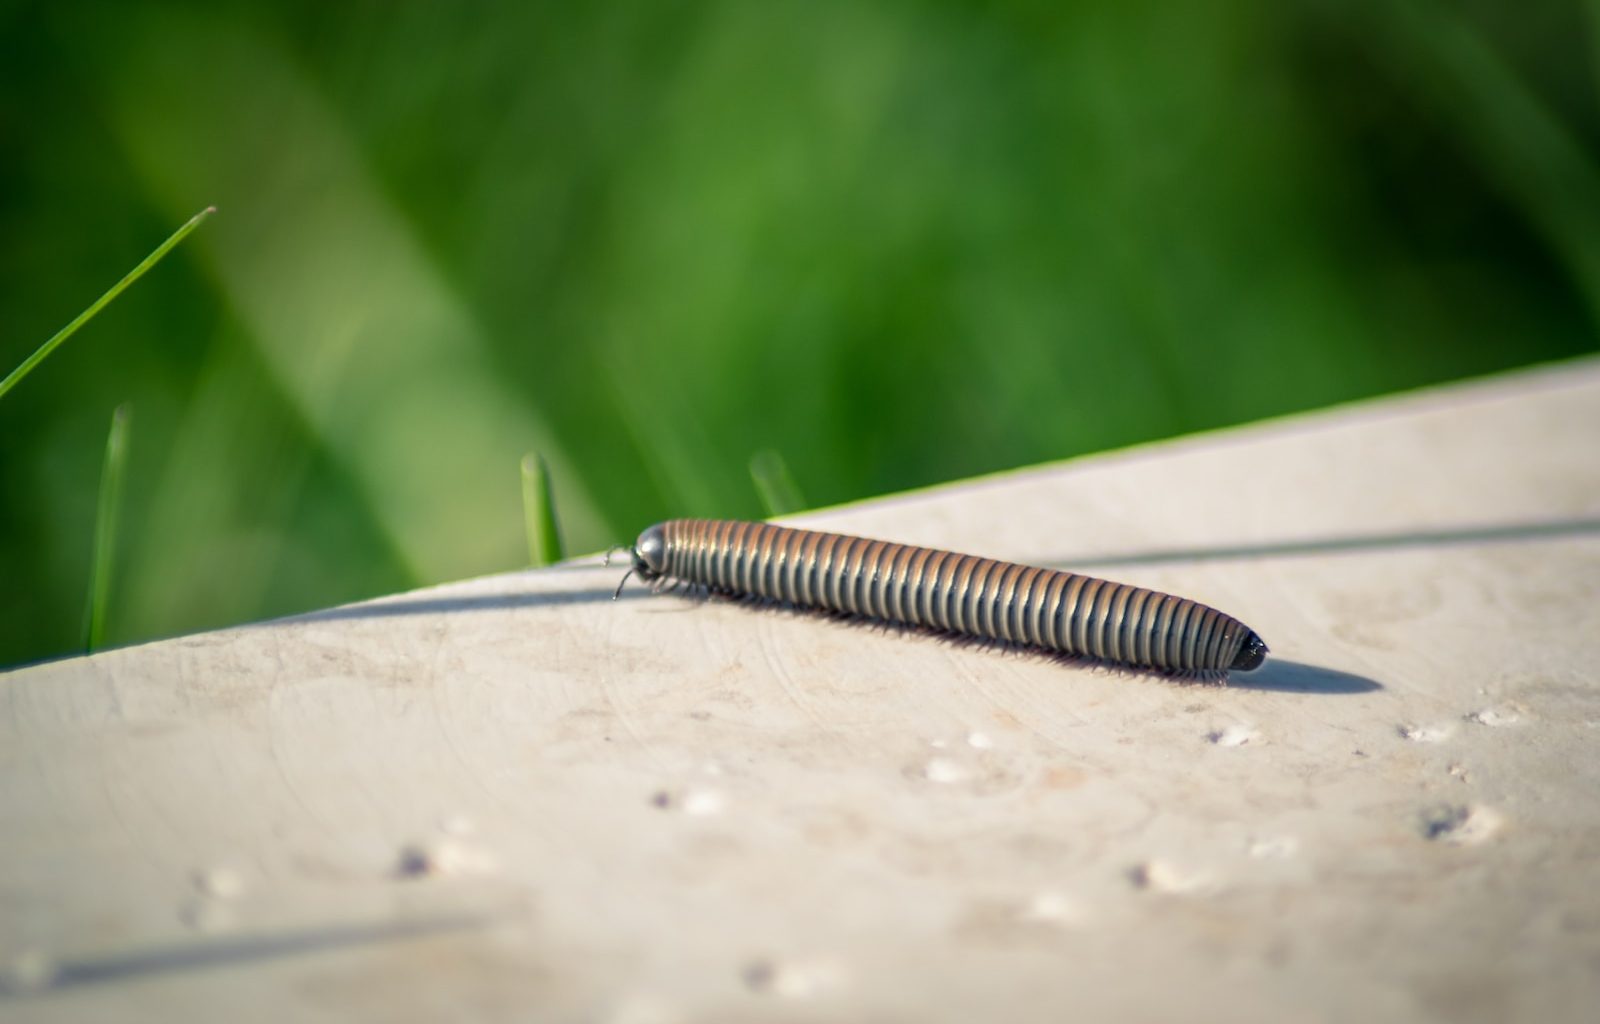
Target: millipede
{"type": "Point", "coordinates": [962, 596]}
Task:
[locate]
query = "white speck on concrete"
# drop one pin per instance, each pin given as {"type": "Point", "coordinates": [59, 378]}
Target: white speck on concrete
{"type": "Point", "coordinates": [1425, 733]}
{"type": "Point", "coordinates": [793, 979]}
{"type": "Point", "coordinates": [1275, 848]}
{"type": "Point", "coordinates": [1234, 736]}
{"type": "Point", "coordinates": [1495, 717]}
{"type": "Point", "coordinates": [1164, 877]}
{"type": "Point", "coordinates": [945, 771]}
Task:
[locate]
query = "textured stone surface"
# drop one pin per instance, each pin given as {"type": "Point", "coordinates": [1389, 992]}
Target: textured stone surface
{"type": "Point", "coordinates": [512, 798]}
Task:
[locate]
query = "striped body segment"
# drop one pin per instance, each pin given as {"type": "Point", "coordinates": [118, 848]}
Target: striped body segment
{"type": "Point", "coordinates": [962, 595]}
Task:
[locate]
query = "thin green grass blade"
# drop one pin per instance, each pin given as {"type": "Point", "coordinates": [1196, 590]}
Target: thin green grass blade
{"type": "Point", "coordinates": [775, 484]}
{"type": "Point", "coordinates": [133, 275]}
{"type": "Point", "coordinates": [106, 518]}
{"type": "Point", "coordinates": [539, 513]}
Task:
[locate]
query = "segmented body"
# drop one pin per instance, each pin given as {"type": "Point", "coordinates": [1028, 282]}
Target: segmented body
{"type": "Point", "coordinates": [962, 595]}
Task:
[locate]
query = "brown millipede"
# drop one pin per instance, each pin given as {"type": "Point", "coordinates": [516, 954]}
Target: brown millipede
{"type": "Point", "coordinates": [960, 595]}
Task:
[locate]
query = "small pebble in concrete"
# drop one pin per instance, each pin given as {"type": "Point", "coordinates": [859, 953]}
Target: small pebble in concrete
{"type": "Point", "coordinates": [1424, 733]}
{"type": "Point", "coordinates": [945, 771]}
{"type": "Point", "coordinates": [1461, 825]}
{"type": "Point", "coordinates": [701, 803]}
{"type": "Point", "coordinates": [444, 857]}
{"type": "Point", "coordinates": [1233, 736]}
{"type": "Point", "coordinates": [219, 883]}
{"type": "Point", "coordinates": [698, 803]}
{"type": "Point", "coordinates": [1275, 848]}
{"type": "Point", "coordinates": [1052, 908]}
{"type": "Point", "coordinates": [215, 886]}
{"type": "Point", "coordinates": [1495, 717]}
{"type": "Point", "coordinates": [792, 979]}
{"type": "Point", "coordinates": [1164, 877]}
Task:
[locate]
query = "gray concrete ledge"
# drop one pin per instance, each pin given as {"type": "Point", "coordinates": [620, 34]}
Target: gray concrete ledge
{"type": "Point", "coordinates": [510, 798]}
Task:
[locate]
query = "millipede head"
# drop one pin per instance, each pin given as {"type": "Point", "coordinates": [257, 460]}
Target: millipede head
{"type": "Point", "coordinates": [650, 554]}
{"type": "Point", "coordinates": [1251, 654]}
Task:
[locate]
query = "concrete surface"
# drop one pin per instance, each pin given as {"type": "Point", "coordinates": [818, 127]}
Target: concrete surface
{"type": "Point", "coordinates": [510, 798]}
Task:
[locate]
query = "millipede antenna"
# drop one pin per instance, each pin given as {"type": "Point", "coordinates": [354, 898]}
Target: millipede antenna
{"type": "Point", "coordinates": [618, 592]}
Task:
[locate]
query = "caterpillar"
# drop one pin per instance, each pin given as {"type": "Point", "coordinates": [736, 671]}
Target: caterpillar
{"type": "Point", "coordinates": [959, 595]}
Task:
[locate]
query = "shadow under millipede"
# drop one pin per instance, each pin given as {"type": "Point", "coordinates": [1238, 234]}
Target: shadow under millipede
{"type": "Point", "coordinates": [1277, 675]}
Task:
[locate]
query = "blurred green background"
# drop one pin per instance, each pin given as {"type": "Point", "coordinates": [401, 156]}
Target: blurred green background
{"type": "Point", "coordinates": [898, 243]}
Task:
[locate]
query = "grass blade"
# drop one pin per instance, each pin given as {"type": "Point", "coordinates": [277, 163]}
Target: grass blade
{"type": "Point", "coordinates": [106, 518]}
{"type": "Point", "coordinates": [539, 513]}
{"type": "Point", "coordinates": [133, 275]}
{"type": "Point", "coordinates": [775, 484]}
